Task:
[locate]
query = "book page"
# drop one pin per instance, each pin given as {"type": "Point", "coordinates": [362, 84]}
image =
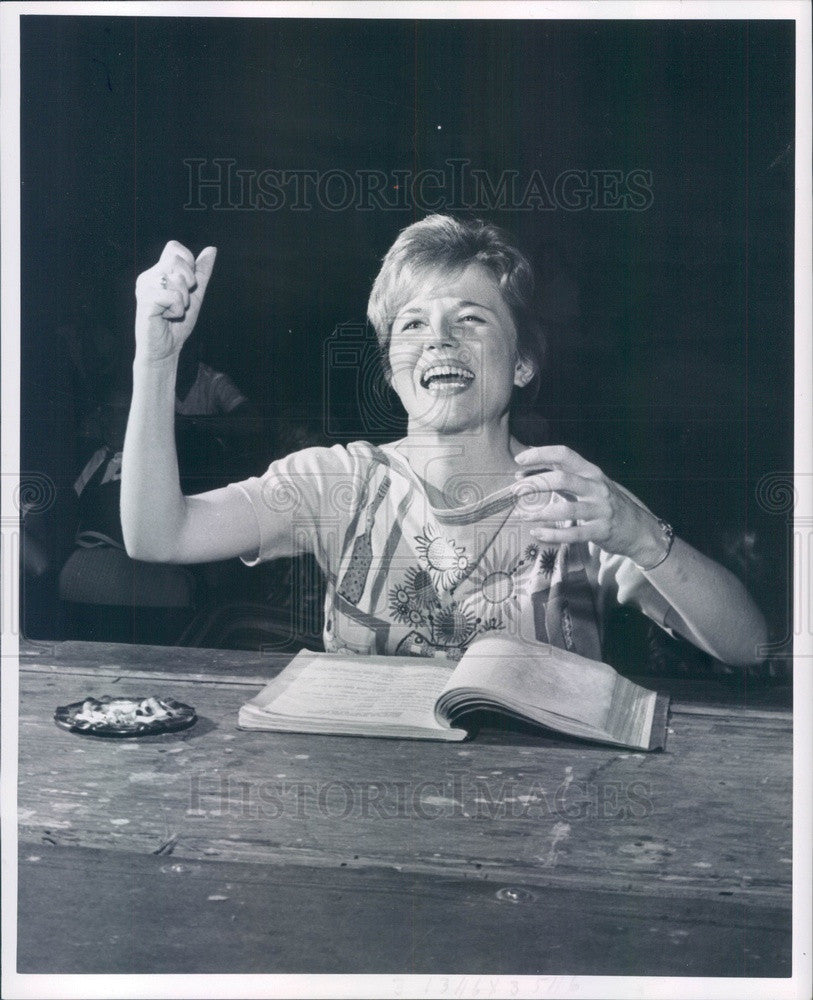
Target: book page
{"type": "Point", "coordinates": [542, 681]}
{"type": "Point", "coordinates": [538, 675]}
{"type": "Point", "coordinates": [374, 690]}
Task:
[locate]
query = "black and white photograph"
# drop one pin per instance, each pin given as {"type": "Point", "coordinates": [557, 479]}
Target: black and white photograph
{"type": "Point", "coordinates": [383, 377]}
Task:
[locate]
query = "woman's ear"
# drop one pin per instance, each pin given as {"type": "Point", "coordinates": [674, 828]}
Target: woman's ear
{"type": "Point", "coordinates": [523, 372]}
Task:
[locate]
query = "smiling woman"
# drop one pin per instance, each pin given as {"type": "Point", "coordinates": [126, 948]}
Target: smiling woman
{"type": "Point", "coordinates": [454, 531]}
{"type": "Point", "coordinates": [436, 252]}
{"type": "Point", "coordinates": [453, 353]}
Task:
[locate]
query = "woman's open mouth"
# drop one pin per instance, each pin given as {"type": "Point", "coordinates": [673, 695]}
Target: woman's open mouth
{"type": "Point", "coordinates": [446, 378]}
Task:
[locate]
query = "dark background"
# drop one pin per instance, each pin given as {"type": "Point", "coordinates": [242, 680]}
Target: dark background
{"type": "Point", "coordinates": [671, 329]}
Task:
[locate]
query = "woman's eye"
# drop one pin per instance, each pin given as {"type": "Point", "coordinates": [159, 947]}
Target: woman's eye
{"type": "Point", "coordinates": [413, 324]}
{"type": "Point", "coordinates": [471, 318]}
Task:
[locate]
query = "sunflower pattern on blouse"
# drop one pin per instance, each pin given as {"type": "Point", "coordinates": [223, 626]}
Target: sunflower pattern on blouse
{"type": "Point", "coordinates": [443, 624]}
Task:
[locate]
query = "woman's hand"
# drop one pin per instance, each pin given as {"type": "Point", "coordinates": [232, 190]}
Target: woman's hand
{"type": "Point", "coordinates": [168, 299]}
{"type": "Point", "coordinates": [597, 509]}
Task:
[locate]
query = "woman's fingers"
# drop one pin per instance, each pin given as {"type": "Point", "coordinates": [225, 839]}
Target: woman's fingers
{"type": "Point", "coordinates": [559, 495]}
{"type": "Point", "coordinates": [560, 480]}
{"type": "Point", "coordinates": [529, 509]}
{"type": "Point", "coordinates": [169, 296]}
{"type": "Point", "coordinates": [573, 501]}
{"type": "Point", "coordinates": [174, 250]}
{"type": "Point", "coordinates": [204, 265]}
{"type": "Point", "coordinates": [176, 282]}
{"type": "Point", "coordinates": [590, 531]}
{"type": "Point", "coordinates": [556, 456]}
{"type": "Point", "coordinates": [177, 274]}
{"type": "Point", "coordinates": [177, 302]}
{"type": "Point", "coordinates": [162, 294]}
{"type": "Point", "coordinates": [182, 275]}
{"type": "Point", "coordinates": [156, 297]}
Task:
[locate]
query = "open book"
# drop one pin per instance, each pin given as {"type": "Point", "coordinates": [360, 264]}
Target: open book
{"type": "Point", "coordinates": [416, 698]}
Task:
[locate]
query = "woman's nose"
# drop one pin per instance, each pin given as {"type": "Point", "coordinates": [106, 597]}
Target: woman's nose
{"type": "Point", "coordinates": [440, 333]}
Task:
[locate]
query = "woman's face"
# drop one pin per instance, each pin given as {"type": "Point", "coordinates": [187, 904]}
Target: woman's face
{"type": "Point", "coordinates": [453, 353]}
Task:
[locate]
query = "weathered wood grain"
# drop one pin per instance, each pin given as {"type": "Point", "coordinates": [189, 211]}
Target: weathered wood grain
{"type": "Point", "coordinates": [240, 666]}
{"type": "Point", "coordinates": [709, 818]}
{"type": "Point", "coordinates": [91, 911]}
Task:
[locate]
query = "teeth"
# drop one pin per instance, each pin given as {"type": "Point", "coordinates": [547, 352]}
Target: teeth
{"type": "Point", "coordinates": [438, 371]}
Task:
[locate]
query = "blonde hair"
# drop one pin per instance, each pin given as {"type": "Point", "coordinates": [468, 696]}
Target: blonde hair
{"type": "Point", "coordinates": [441, 245]}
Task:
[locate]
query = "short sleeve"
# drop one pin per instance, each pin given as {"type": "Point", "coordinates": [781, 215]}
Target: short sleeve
{"type": "Point", "coordinates": [304, 503]}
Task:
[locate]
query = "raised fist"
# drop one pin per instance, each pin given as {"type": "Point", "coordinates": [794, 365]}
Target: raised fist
{"type": "Point", "coordinates": [168, 299]}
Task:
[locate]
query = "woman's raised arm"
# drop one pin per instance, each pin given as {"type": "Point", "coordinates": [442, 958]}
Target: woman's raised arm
{"type": "Point", "coordinates": [159, 523]}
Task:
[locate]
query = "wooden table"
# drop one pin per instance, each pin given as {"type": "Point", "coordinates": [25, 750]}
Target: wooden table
{"type": "Point", "coordinates": [216, 850]}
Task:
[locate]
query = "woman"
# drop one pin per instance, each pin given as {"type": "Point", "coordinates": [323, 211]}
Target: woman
{"type": "Point", "coordinates": [454, 531]}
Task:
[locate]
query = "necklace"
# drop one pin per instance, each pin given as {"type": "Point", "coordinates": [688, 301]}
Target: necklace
{"type": "Point", "coordinates": [473, 566]}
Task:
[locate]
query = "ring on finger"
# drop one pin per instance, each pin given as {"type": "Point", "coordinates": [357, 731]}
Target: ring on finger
{"type": "Point", "coordinates": [164, 281]}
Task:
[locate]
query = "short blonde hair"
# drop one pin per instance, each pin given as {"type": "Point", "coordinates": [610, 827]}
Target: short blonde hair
{"type": "Point", "coordinates": [442, 245]}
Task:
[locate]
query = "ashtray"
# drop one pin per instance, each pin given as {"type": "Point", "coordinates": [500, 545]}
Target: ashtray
{"type": "Point", "coordinates": [123, 717]}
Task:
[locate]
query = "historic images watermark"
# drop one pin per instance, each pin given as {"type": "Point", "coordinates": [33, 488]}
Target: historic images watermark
{"type": "Point", "coordinates": [358, 397]}
{"type": "Point", "coordinates": [358, 401]}
{"type": "Point", "coordinates": [777, 493]}
{"type": "Point", "coordinates": [452, 795]}
{"type": "Point", "coordinates": [24, 497]}
{"type": "Point", "coordinates": [222, 185]}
